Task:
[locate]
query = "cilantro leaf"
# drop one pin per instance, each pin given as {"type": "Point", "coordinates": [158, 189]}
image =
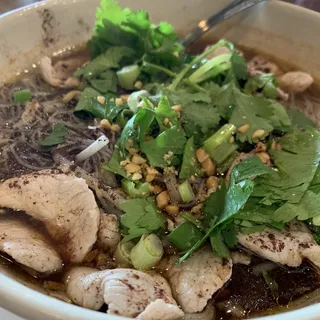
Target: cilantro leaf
{"type": "Point", "coordinates": [141, 216]}
{"type": "Point", "coordinates": [88, 107]}
{"type": "Point", "coordinates": [162, 150]}
{"type": "Point", "coordinates": [136, 128]}
{"type": "Point", "coordinates": [164, 111]}
{"type": "Point", "coordinates": [109, 60]}
{"type": "Point", "coordinates": [107, 82]}
{"type": "Point", "coordinates": [307, 208]}
{"type": "Point", "coordinates": [223, 205]}
{"type": "Point", "coordinates": [280, 119]}
{"type": "Point", "coordinates": [190, 166]}
{"type": "Point", "coordinates": [299, 119]}
{"type": "Point", "coordinates": [315, 184]}
{"type": "Point", "coordinates": [114, 163]}
{"type": "Point", "coordinates": [296, 164]}
{"type": "Point", "coordinates": [238, 70]}
{"type": "Point", "coordinates": [56, 136]}
{"type": "Point", "coordinates": [265, 82]}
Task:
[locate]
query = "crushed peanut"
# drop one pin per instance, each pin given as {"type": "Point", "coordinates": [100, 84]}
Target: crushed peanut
{"type": "Point", "coordinates": [208, 167]}
{"type": "Point", "coordinates": [260, 147]}
{"type": "Point", "coordinates": [132, 168]}
{"type": "Point", "coordinates": [101, 99]}
{"type": "Point", "coordinates": [212, 183]}
{"type": "Point", "coordinates": [201, 155]}
{"type": "Point", "coordinates": [138, 85]}
{"type": "Point", "coordinates": [243, 129]}
{"type": "Point", "coordinates": [137, 159]}
{"type": "Point", "coordinates": [123, 163]}
{"type": "Point", "coordinates": [231, 140]}
{"type": "Point", "coordinates": [162, 199]}
{"type": "Point", "coordinates": [133, 151]}
{"type": "Point", "coordinates": [258, 134]}
{"type": "Point", "coordinates": [177, 108]}
{"type": "Point", "coordinates": [264, 157]}
{"type": "Point", "coordinates": [136, 176]}
{"type": "Point", "coordinates": [151, 170]}
{"type": "Point", "coordinates": [150, 177]}
{"type": "Point", "coordinates": [118, 101]}
{"type": "Point", "coordinates": [115, 128]}
{"type": "Point", "coordinates": [172, 209]}
{"type": "Point", "coordinates": [124, 98]}
{"type": "Point", "coordinates": [105, 124]}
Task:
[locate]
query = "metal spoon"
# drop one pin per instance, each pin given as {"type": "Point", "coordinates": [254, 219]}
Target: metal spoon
{"type": "Point", "coordinates": [233, 8]}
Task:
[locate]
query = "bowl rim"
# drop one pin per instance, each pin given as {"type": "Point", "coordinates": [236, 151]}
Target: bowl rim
{"type": "Point", "coordinates": [29, 301]}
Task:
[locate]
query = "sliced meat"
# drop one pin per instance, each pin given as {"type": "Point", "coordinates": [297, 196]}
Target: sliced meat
{"type": "Point", "coordinates": [127, 292]}
{"type": "Point", "coordinates": [259, 65]}
{"type": "Point", "coordinates": [26, 245]}
{"type": "Point", "coordinates": [195, 281]}
{"type": "Point", "coordinates": [159, 310]}
{"type": "Point", "coordinates": [62, 202]}
{"type": "Point", "coordinates": [288, 247]}
{"type": "Point", "coordinates": [295, 81]}
{"type": "Point", "coordinates": [109, 233]}
{"type": "Point", "coordinates": [56, 75]}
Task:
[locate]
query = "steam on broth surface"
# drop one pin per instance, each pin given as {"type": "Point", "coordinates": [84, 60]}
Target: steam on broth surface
{"type": "Point", "coordinates": [186, 183]}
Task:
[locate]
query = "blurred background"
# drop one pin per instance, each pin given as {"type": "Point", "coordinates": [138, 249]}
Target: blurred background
{"type": "Point", "coordinates": [6, 5]}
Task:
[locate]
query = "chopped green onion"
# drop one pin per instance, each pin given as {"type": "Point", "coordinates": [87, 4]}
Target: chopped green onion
{"type": "Point", "coordinates": [186, 192]}
{"type": "Point", "coordinates": [221, 139]}
{"type": "Point", "coordinates": [272, 284]}
{"type": "Point", "coordinates": [223, 152]}
{"type": "Point", "coordinates": [135, 98]}
{"type": "Point", "coordinates": [122, 254]}
{"type": "Point", "coordinates": [185, 236]}
{"type": "Point", "coordinates": [133, 190]}
{"type": "Point", "coordinates": [128, 75]}
{"type": "Point", "coordinates": [201, 74]}
{"type": "Point", "coordinates": [147, 252]}
{"type": "Point", "coordinates": [22, 96]}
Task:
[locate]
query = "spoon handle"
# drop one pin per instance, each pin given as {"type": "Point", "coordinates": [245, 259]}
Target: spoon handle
{"type": "Point", "coordinates": [233, 8]}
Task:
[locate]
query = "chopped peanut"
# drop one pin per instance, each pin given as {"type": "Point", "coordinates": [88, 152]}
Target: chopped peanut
{"type": "Point", "coordinates": [141, 104]}
{"type": "Point", "coordinates": [172, 209]}
{"type": "Point", "coordinates": [150, 177]}
{"type": "Point", "coordinates": [132, 168]}
{"type": "Point", "coordinates": [123, 163]}
{"type": "Point", "coordinates": [105, 124]}
{"type": "Point", "coordinates": [133, 151]}
{"type": "Point", "coordinates": [163, 199]}
{"type": "Point", "coordinates": [138, 85]}
{"type": "Point", "coordinates": [261, 147]}
{"type": "Point", "coordinates": [258, 134]}
{"type": "Point", "coordinates": [212, 183]}
{"type": "Point", "coordinates": [155, 189]}
{"type": "Point", "coordinates": [118, 101]}
{"type": "Point", "coordinates": [166, 121]}
{"type": "Point", "coordinates": [177, 108]}
{"type": "Point", "coordinates": [273, 145]}
{"type": "Point", "coordinates": [124, 98]}
{"type": "Point", "coordinates": [101, 99]}
{"type": "Point", "coordinates": [201, 155]}
{"type": "Point", "coordinates": [231, 140]}
{"type": "Point", "coordinates": [170, 225]}
{"type": "Point", "coordinates": [264, 157]}
{"type": "Point", "coordinates": [137, 159]}
{"type": "Point", "coordinates": [176, 54]}
{"type": "Point", "coordinates": [115, 128]}
{"type": "Point", "coordinates": [152, 171]}
{"type": "Point", "coordinates": [136, 176]}
{"type": "Point", "coordinates": [243, 129]}
{"type": "Point", "coordinates": [208, 167]}
{"type": "Point", "coordinates": [197, 210]}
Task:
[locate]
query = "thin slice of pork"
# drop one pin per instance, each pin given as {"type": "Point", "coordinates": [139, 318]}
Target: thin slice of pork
{"type": "Point", "coordinates": [194, 281]}
{"type": "Point", "coordinates": [26, 245]}
{"type": "Point", "coordinates": [289, 246]}
{"type": "Point", "coordinates": [127, 292]}
{"type": "Point", "coordinates": [109, 232]}
{"type": "Point", "coordinates": [62, 202]}
{"type": "Point", "coordinates": [56, 75]}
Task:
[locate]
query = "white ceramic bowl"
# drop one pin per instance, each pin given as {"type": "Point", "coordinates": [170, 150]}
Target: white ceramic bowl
{"type": "Point", "coordinates": [277, 29]}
